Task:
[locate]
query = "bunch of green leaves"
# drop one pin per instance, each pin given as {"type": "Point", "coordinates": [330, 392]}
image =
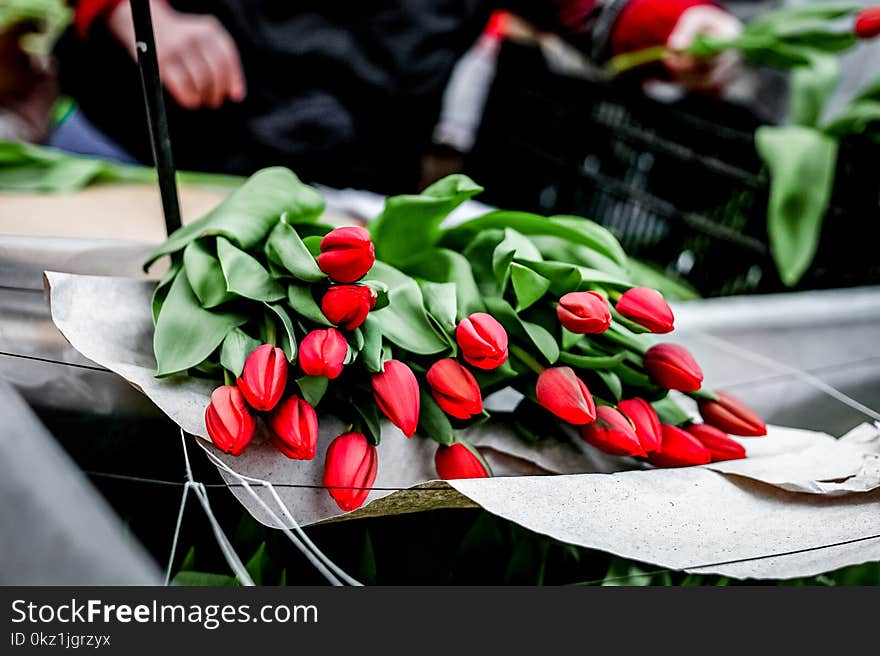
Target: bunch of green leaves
{"type": "Point", "coordinates": [35, 169]}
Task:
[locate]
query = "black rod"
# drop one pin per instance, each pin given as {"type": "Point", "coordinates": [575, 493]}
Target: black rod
{"type": "Point", "coordinates": [157, 119]}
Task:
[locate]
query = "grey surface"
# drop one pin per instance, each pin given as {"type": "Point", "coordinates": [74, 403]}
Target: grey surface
{"type": "Point", "coordinates": [55, 529]}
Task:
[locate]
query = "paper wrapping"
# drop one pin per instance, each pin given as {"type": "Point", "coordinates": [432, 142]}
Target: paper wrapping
{"type": "Point", "coordinates": [798, 489]}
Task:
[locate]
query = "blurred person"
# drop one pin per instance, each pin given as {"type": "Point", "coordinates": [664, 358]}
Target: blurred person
{"type": "Point", "coordinates": [27, 87]}
{"type": "Point", "coordinates": [347, 94]}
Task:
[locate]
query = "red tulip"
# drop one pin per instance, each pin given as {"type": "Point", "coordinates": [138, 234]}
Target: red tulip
{"type": "Point", "coordinates": [673, 367]}
{"type": "Point", "coordinates": [868, 23]}
{"type": "Point", "coordinates": [679, 449]}
{"type": "Point", "coordinates": [719, 444]}
{"type": "Point", "coordinates": [396, 391]}
{"type": "Point", "coordinates": [561, 392]}
{"type": "Point", "coordinates": [455, 389]}
{"type": "Point", "coordinates": [612, 433]}
{"type": "Point", "coordinates": [350, 470]}
{"type": "Point", "coordinates": [229, 420]}
{"type": "Point", "coordinates": [483, 341]}
{"type": "Point", "coordinates": [584, 312]}
{"type": "Point", "coordinates": [458, 461]}
{"type": "Point", "coordinates": [346, 254]}
{"type": "Point", "coordinates": [322, 353]}
{"type": "Point", "coordinates": [646, 307]}
{"type": "Point", "coordinates": [293, 427]}
{"type": "Point", "coordinates": [732, 416]}
{"type": "Point", "coordinates": [646, 422]}
{"type": "Point", "coordinates": [347, 306]}
{"type": "Point", "coordinates": [264, 377]}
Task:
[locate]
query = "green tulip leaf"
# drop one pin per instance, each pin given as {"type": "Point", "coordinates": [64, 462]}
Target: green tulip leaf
{"type": "Point", "coordinates": [440, 302]}
{"type": "Point", "coordinates": [312, 388]}
{"type": "Point", "coordinates": [522, 330]}
{"type": "Point", "coordinates": [186, 333]}
{"type": "Point", "coordinates": [528, 286]}
{"type": "Point", "coordinates": [286, 249]}
{"type": "Point", "coordinates": [287, 338]}
{"type": "Point", "coordinates": [433, 422]}
{"type": "Point", "coordinates": [236, 348]}
{"type": "Point", "coordinates": [245, 275]}
{"type": "Point", "coordinates": [443, 265]}
{"type": "Point", "coordinates": [802, 163]}
{"type": "Point", "coordinates": [303, 303]}
{"type": "Point", "coordinates": [205, 274]}
{"type": "Point", "coordinates": [371, 353]}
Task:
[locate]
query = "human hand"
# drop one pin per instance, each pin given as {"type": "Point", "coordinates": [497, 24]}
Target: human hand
{"type": "Point", "coordinates": [702, 73]}
{"type": "Point", "coordinates": [198, 60]}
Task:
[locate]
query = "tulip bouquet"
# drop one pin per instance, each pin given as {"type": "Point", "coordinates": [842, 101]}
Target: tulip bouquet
{"type": "Point", "coordinates": [418, 324]}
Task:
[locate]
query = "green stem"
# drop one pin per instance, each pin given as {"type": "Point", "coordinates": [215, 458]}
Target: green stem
{"type": "Point", "coordinates": [269, 330]}
{"type": "Point", "coordinates": [630, 60]}
{"type": "Point", "coordinates": [228, 378]}
{"type": "Point", "coordinates": [703, 394]}
{"type": "Point", "coordinates": [616, 335]}
{"type": "Point", "coordinates": [523, 356]}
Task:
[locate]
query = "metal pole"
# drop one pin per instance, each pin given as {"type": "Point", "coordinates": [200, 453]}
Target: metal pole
{"type": "Point", "coordinates": [157, 120]}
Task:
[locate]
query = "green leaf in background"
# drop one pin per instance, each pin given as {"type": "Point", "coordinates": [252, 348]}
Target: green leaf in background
{"type": "Point", "coordinates": [185, 332]}
{"type": "Point", "coordinates": [287, 339]}
{"type": "Point", "coordinates": [244, 275]}
{"type": "Point", "coordinates": [163, 286]}
{"type": "Point", "coordinates": [645, 275]}
{"type": "Point", "coordinates": [303, 303]}
{"type": "Point", "coordinates": [566, 278]}
{"type": "Point", "coordinates": [237, 346]}
{"type": "Point", "coordinates": [595, 233]}
{"type": "Point", "coordinates": [528, 286]}
{"type": "Point", "coordinates": [205, 274]}
{"type": "Point", "coordinates": [854, 119]}
{"type": "Point", "coordinates": [247, 215]}
{"type": "Point", "coordinates": [512, 245]}
{"type": "Point", "coordinates": [285, 248]}
{"type": "Point", "coordinates": [256, 564]}
{"type": "Point", "coordinates": [670, 412]}
{"type": "Point", "coordinates": [524, 331]}
{"type": "Point", "coordinates": [810, 88]}
{"type": "Point", "coordinates": [802, 163]}
{"type": "Point", "coordinates": [433, 422]}
{"type": "Point", "coordinates": [313, 388]}
{"type": "Point", "coordinates": [369, 414]}
{"type": "Point", "coordinates": [824, 11]}
{"type": "Point", "coordinates": [612, 382]}
{"type": "Point", "coordinates": [409, 225]}
{"type": "Point", "coordinates": [440, 302]}
{"type": "Point", "coordinates": [204, 579]}
{"type": "Point", "coordinates": [371, 353]}
{"type": "Point", "coordinates": [405, 321]}
{"type": "Point", "coordinates": [443, 265]}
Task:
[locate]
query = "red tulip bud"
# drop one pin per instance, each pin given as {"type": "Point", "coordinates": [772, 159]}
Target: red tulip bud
{"type": "Point", "coordinates": [561, 392]}
{"type": "Point", "coordinates": [719, 444]}
{"type": "Point", "coordinates": [612, 433]}
{"type": "Point", "coordinates": [229, 420]}
{"type": "Point", "coordinates": [322, 352]}
{"type": "Point", "coordinates": [347, 306]}
{"type": "Point", "coordinates": [584, 312]}
{"type": "Point", "coordinates": [455, 389]}
{"type": "Point", "coordinates": [646, 422]}
{"type": "Point", "coordinates": [868, 23]}
{"type": "Point", "coordinates": [396, 391]}
{"type": "Point", "coordinates": [732, 416]}
{"type": "Point", "coordinates": [646, 307]}
{"type": "Point", "coordinates": [483, 341]}
{"type": "Point", "coordinates": [293, 427]}
{"type": "Point", "coordinates": [350, 470]}
{"type": "Point", "coordinates": [264, 377]}
{"type": "Point", "coordinates": [679, 449]}
{"type": "Point", "coordinates": [673, 367]}
{"type": "Point", "coordinates": [346, 254]}
{"type": "Point", "coordinates": [458, 461]}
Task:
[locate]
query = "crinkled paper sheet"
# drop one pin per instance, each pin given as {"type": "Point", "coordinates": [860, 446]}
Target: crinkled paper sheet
{"type": "Point", "coordinates": [798, 490]}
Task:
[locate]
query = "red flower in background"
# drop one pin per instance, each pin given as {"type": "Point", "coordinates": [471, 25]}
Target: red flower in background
{"type": "Point", "coordinates": [264, 377]}
{"type": "Point", "coordinates": [673, 367]}
{"type": "Point", "coordinates": [483, 341]}
{"type": "Point", "coordinates": [229, 420]}
{"type": "Point", "coordinates": [719, 444]}
{"type": "Point", "coordinates": [868, 23]}
{"type": "Point", "coordinates": [612, 433]}
{"type": "Point", "coordinates": [732, 416]}
{"type": "Point", "coordinates": [455, 389]}
{"type": "Point", "coordinates": [646, 422]}
{"type": "Point", "coordinates": [293, 427]}
{"type": "Point", "coordinates": [679, 449]}
{"type": "Point", "coordinates": [561, 392]}
{"type": "Point", "coordinates": [646, 307]}
{"type": "Point", "coordinates": [347, 306]}
{"type": "Point", "coordinates": [396, 392]}
{"type": "Point", "coordinates": [322, 353]}
{"type": "Point", "coordinates": [346, 254]}
{"type": "Point", "coordinates": [350, 470]}
{"type": "Point", "coordinates": [584, 312]}
{"type": "Point", "coordinates": [458, 461]}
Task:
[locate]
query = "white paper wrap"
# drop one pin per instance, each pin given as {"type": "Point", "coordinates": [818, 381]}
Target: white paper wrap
{"type": "Point", "coordinates": [797, 491]}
